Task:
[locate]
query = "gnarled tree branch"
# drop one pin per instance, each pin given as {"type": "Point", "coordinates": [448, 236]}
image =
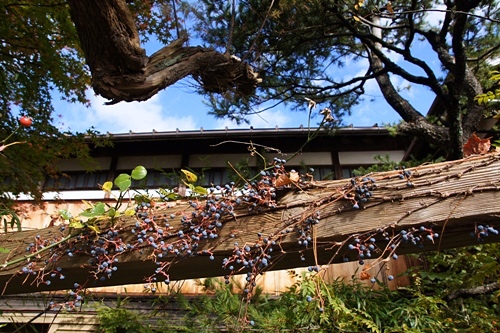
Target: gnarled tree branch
{"type": "Point", "coordinates": [121, 71]}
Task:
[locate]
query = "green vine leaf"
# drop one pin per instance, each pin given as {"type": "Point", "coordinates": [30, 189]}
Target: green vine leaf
{"type": "Point", "coordinates": [65, 214]}
{"type": "Point", "coordinates": [200, 190]}
{"type": "Point", "coordinates": [139, 172]}
{"type": "Point", "coordinates": [123, 181]}
{"type": "Point", "coordinates": [4, 250]}
{"type": "Point", "coordinates": [94, 211]}
{"type": "Point", "coordinates": [112, 212]}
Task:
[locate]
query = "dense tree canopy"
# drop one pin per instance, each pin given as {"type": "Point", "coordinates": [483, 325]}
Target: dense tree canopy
{"type": "Point", "coordinates": [39, 54]}
{"type": "Point", "coordinates": [302, 48]}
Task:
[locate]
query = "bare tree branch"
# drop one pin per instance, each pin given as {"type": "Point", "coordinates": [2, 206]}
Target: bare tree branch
{"type": "Point", "coordinates": [471, 292]}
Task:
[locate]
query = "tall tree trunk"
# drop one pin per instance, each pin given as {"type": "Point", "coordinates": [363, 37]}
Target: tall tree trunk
{"type": "Point", "coordinates": [121, 71]}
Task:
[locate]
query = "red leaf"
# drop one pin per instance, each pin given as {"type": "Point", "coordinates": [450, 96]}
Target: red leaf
{"type": "Point", "coordinates": [476, 146]}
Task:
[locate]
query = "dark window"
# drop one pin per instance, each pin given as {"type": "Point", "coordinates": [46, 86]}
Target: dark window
{"type": "Point", "coordinates": [348, 171]}
{"type": "Point", "coordinates": [25, 328]}
{"type": "Point", "coordinates": [75, 181]}
{"type": "Point", "coordinates": [214, 177]}
{"type": "Point", "coordinates": [320, 172]}
{"type": "Point", "coordinates": [323, 173]}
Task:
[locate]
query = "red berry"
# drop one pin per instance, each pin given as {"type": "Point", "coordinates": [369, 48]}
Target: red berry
{"type": "Point", "coordinates": [25, 121]}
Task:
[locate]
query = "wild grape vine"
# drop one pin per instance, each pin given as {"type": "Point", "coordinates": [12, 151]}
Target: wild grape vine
{"type": "Point", "coordinates": [166, 238]}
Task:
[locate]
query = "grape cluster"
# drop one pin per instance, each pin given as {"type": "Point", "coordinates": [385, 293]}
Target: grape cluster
{"type": "Point", "coordinates": [74, 299]}
{"type": "Point", "coordinates": [40, 243]}
{"type": "Point", "coordinates": [360, 191]}
{"type": "Point", "coordinates": [363, 247]}
{"type": "Point", "coordinates": [48, 272]}
{"type": "Point", "coordinates": [252, 258]}
{"type": "Point", "coordinates": [366, 245]}
{"type": "Point", "coordinates": [418, 236]}
{"type": "Point", "coordinates": [303, 229]}
{"type": "Point", "coordinates": [104, 254]}
{"type": "Point", "coordinates": [483, 231]}
{"type": "Point", "coordinates": [405, 174]}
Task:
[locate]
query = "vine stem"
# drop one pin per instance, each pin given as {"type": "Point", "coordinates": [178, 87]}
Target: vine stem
{"type": "Point", "coordinates": [13, 262]}
{"type": "Point", "coordinates": [2, 147]}
{"type": "Point", "coordinates": [12, 133]}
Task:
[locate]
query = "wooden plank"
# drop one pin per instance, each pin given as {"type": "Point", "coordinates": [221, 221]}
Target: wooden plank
{"type": "Point", "coordinates": [450, 199]}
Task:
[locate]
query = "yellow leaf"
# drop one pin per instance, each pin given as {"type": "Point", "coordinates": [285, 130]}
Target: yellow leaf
{"type": "Point", "coordinates": [130, 212]}
{"type": "Point", "coordinates": [359, 4]}
{"type": "Point", "coordinates": [107, 186]}
{"type": "Point", "coordinates": [190, 177]}
{"type": "Point", "coordinates": [94, 228]}
{"type": "Point", "coordinates": [356, 18]}
{"type": "Point", "coordinates": [75, 223]}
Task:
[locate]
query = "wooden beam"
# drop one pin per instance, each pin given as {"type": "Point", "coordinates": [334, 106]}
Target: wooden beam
{"type": "Point", "coordinates": [451, 201]}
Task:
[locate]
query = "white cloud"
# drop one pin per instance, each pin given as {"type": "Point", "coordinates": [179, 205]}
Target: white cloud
{"type": "Point", "coordinates": [124, 117]}
{"type": "Point", "coordinates": [435, 16]}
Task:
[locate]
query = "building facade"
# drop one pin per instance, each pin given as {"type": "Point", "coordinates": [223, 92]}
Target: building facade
{"type": "Point", "coordinates": [213, 155]}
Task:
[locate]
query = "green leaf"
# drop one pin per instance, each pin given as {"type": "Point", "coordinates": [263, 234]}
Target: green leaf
{"type": "Point", "coordinates": [123, 181]}
{"type": "Point", "coordinates": [94, 211]}
{"type": "Point", "coordinates": [4, 250]}
{"type": "Point", "coordinates": [173, 196]}
{"type": "Point", "coordinates": [112, 212]}
{"type": "Point", "coordinates": [65, 214]}
{"type": "Point", "coordinates": [139, 172]}
{"type": "Point", "coordinates": [107, 186]}
{"type": "Point", "coordinates": [200, 190]}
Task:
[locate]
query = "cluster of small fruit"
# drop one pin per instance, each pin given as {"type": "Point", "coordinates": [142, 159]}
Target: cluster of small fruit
{"type": "Point", "coordinates": [254, 258]}
{"type": "Point", "coordinates": [33, 266]}
{"type": "Point", "coordinates": [201, 224]}
{"type": "Point", "coordinates": [260, 194]}
{"type": "Point", "coordinates": [74, 300]}
{"type": "Point", "coordinates": [405, 174]}
{"type": "Point", "coordinates": [366, 246]}
{"type": "Point", "coordinates": [40, 243]}
{"type": "Point", "coordinates": [360, 191]}
{"type": "Point", "coordinates": [208, 217]}
{"type": "Point", "coordinates": [43, 274]}
{"type": "Point", "coordinates": [483, 231]}
{"type": "Point", "coordinates": [104, 252]}
{"type": "Point", "coordinates": [417, 236]}
{"type": "Point", "coordinates": [304, 229]}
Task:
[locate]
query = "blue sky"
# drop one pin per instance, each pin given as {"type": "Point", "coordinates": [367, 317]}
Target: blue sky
{"type": "Point", "coordinates": [179, 107]}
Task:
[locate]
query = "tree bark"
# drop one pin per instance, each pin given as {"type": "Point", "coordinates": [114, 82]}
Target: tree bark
{"type": "Point", "coordinates": [471, 292]}
{"type": "Point", "coordinates": [121, 71]}
{"type": "Point", "coordinates": [449, 201]}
